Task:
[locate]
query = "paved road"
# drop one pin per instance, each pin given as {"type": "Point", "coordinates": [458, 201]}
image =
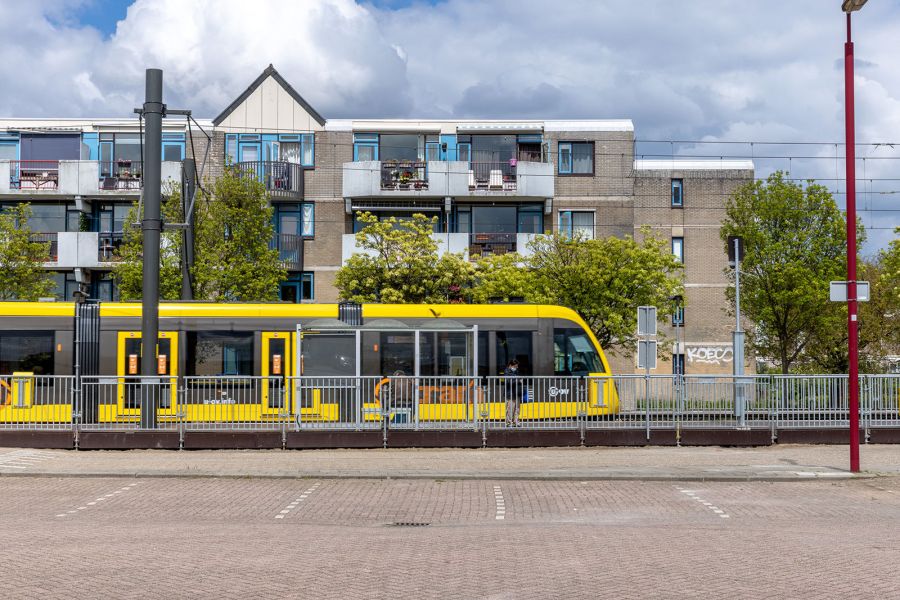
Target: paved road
{"type": "Point", "coordinates": [778, 462]}
{"type": "Point", "coordinates": [222, 538]}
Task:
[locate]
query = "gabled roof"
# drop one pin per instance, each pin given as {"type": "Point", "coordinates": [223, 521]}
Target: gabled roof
{"type": "Point", "coordinates": [270, 70]}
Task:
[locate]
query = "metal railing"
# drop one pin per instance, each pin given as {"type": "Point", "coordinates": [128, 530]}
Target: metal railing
{"type": "Point", "coordinates": [34, 174]}
{"type": "Point", "coordinates": [52, 241]}
{"type": "Point", "coordinates": [447, 403]}
{"type": "Point", "coordinates": [494, 175]}
{"type": "Point", "coordinates": [290, 250]}
{"type": "Point", "coordinates": [489, 244]}
{"type": "Point", "coordinates": [281, 179]}
{"type": "Point", "coordinates": [404, 175]}
{"type": "Point", "coordinates": [108, 244]}
{"type": "Point", "coordinates": [121, 174]}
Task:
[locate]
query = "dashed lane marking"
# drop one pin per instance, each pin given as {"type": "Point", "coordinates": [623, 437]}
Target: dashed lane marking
{"type": "Point", "coordinates": [501, 504]}
{"type": "Point", "coordinates": [297, 502]}
{"type": "Point", "coordinates": [99, 499]}
{"type": "Point", "coordinates": [709, 505]}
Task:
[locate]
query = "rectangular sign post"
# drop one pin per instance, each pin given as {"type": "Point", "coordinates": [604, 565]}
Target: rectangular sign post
{"type": "Point", "coordinates": [646, 322]}
{"type": "Point", "coordinates": [837, 291]}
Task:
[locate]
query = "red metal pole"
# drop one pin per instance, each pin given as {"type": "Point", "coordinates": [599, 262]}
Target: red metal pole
{"type": "Point", "coordinates": [853, 377]}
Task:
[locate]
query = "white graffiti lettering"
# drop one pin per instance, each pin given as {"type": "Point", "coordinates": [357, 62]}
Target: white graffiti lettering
{"type": "Point", "coordinates": [712, 355]}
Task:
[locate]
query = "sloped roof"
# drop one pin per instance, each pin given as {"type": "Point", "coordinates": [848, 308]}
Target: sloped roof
{"type": "Point", "coordinates": [270, 70]}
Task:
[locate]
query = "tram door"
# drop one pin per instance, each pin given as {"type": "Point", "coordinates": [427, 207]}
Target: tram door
{"type": "Point", "coordinates": [130, 358]}
{"type": "Point", "coordinates": [276, 370]}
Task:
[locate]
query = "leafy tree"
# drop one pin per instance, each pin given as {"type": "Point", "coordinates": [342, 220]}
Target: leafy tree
{"type": "Point", "coordinates": [233, 260]}
{"type": "Point", "coordinates": [21, 259]}
{"type": "Point", "coordinates": [130, 255]}
{"type": "Point", "coordinates": [603, 280]}
{"type": "Point", "coordinates": [399, 263]}
{"type": "Point", "coordinates": [795, 243]}
{"type": "Point", "coordinates": [233, 257]}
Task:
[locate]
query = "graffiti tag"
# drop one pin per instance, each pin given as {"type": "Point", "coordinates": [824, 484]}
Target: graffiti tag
{"type": "Point", "coordinates": [712, 355]}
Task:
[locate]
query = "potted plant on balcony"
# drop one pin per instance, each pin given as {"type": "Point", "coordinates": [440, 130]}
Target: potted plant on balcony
{"type": "Point", "coordinates": [405, 178]}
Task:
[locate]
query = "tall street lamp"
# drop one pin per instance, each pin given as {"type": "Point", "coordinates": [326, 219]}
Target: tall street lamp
{"type": "Point", "coordinates": [849, 6]}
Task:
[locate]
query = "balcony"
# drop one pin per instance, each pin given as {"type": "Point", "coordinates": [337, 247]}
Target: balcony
{"type": "Point", "coordinates": [456, 243]}
{"type": "Point", "coordinates": [53, 244]}
{"type": "Point", "coordinates": [439, 179]}
{"type": "Point", "coordinates": [283, 180]}
{"type": "Point", "coordinates": [108, 244]}
{"type": "Point", "coordinates": [290, 250]}
{"type": "Point", "coordinates": [471, 246]}
{"type": "Point", "coordinates": [71, 178]}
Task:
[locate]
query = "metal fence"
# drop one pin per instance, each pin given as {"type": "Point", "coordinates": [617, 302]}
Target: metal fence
{"type": "Point", "coordinates": [276, 403]}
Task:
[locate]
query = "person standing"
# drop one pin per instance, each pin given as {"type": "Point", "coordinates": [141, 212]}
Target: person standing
{"type": "Point", "coordinates": [513, 386]}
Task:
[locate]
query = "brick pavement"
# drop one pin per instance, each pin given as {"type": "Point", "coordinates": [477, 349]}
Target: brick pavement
{"type": "Point", "coordinates": [706, 463]}
{"type": "Point", "coordinates": [218, 538]}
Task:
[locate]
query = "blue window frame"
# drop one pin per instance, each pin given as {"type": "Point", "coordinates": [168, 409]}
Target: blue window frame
{"type": "Point", "coordinates": [365, 146]}
{"type": "Point", "coordinates": [678, 248]}
{"type": "Point", "coordinates": [308, 220]}
{"type": "Point", "coordinates": [576, 223]}
{"type": "Point", "coordinates": [298, 287]}
{"type": "Point", "coordinates": [308, 150]}
{"type": "Point", "coordinates": [575, 158]}
{"type": "Point", "coordinates": [231, 148]}
{"type": "Point", "coordinates": [677, 193]}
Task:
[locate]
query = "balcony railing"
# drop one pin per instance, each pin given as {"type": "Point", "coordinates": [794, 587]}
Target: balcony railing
{"type": "Point", "coordinates": [108, 244]}
{"type": "Point", "coordinates": [404, 175]}
{"type": "Point", "coordinates": [490, 244]}
{"type": "Point", "coordinates": [34, 174]}
{"type": "Point", "coordinates": [290, 250]}
{"type": "Point", "coordinates": [497, 175]}
{"type": "Point", "coordinates": [282, 179]}
{"type": "Point", "coordinates": [121, 175]}
{"type": "Point", "coordinates": [53, 240]}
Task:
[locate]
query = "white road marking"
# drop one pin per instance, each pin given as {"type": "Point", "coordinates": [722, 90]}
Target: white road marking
{"type": "Point", "coordinates": [296, 502]}
{"type": "Point", "coordinates": [100, 499]}
{"type": "Point", "coordinates": [692, 494]}
{"type": "Point", "coordinates": [500, 511]}
{"type": "Point", "coordinates": [22, 459]}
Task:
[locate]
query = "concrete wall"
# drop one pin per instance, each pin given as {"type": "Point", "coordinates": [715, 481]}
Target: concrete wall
{"type": "Point", "coordinates": [447, 242]}
{"type": "Point", "coordinates": [77, 249]}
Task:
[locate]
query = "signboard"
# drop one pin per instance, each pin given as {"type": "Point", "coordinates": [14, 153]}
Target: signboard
{"type": "Point", "coordinates": [732, 239]}
{"type": "Point", "coordinates": [647, 354]}
{"type": "Point", "coordinates": [838, 291]}
{"type": "Point", "coordinates": [646, 320]}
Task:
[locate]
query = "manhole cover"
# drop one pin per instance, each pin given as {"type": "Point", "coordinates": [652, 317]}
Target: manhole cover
{"type": "Point", "coordinates": [409, 524]}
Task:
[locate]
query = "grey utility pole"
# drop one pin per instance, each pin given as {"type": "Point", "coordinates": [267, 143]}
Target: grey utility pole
{"type": "Point", "coordinates": [740, 400]}
{"type": "Point", "coordinates": [151, 225]}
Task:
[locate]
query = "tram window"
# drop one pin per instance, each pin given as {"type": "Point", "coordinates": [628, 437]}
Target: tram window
{"type": "Point", "coordinates": [29, 351]}
{"type": "Point", "coordinates": [220, 353]}
{"type": "Point", "coordinates": [514, 345]}
{"type": "Point", "coordinates": [483, 358]}
{"type": "Point", "coordinates": [329, 355]}
{"type": "Point", "coordinates": [398, 353]}
{"type": "Point", "coordinates": [573, 353]}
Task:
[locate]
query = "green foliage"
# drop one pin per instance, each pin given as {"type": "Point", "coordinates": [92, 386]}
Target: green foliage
{"type": "Point", "coordinates": [399, 263]}
{"type": "Point", "coordinates": [502, 277]}
{"type": "Point", "coordinates": [21, 275]}
{"type": "Point", "coordinates": [795, 243]}
{"type": "Point", "coordinates": [233, 260]}
{"type": "Point", "coordinates": [130, 255]}
{"type": "Point", "coordinates": [232, 237]}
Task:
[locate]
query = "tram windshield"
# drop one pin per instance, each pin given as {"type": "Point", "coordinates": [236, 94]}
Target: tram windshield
{"type": "Point", "coordinates": [573, 353]}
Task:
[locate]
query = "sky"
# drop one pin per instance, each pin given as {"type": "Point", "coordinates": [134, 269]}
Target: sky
{"type": "Point", "coordinates": [704, 77]}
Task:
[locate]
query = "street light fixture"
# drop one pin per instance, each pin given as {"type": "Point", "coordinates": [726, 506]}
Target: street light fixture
{"type": "Point", "coordinates": [849, 6]}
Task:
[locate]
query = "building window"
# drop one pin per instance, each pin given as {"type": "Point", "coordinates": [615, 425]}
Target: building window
{"type": "Point", "coordinates": [231, 149]}
{"type": "Point", "coordinates": [365, 146]}
{"type": "Point", "coordinates": [309, 220]}
{"type": "Point", "coordinates": [576, 224]}
{"type": "Point", "coordinates": [298, 287]}
{"type": "Point", "coordinates": [576, 158]}
{"type": "Point", "coordinates": [677, 193]}
{"type": "Point", "coordinates": [678, 317]}
{"type": "Point", "coordinates": [678, 248]}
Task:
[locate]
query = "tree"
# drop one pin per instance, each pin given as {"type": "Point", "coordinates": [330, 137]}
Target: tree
{"type": "Point", "coordinates": [21, 274]}
{"type": "Point", "coordinates": [130, 255]}
{"type": "Point", "coordinates": [233, 257]}
{"type": "Point", "coordinates": [399, 263]}
{"type": "Point", "coordinates": [603, 280]}
{"type": "Point", "coordinates": [795, 243]}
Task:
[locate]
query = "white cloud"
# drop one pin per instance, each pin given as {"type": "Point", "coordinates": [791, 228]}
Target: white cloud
{"type": "Point", "coordinates": [766, 70]}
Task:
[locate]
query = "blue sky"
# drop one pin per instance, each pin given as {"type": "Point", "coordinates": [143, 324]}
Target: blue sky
{"type": "Point", "coordinates": [699, 71]}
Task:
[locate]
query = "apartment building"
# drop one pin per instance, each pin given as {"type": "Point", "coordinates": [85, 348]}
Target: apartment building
{"type": "Point", "coordinates": [492, 184]}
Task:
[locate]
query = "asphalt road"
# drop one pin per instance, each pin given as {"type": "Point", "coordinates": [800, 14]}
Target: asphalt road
{"type": "Point", "coordinates": [204, 537]}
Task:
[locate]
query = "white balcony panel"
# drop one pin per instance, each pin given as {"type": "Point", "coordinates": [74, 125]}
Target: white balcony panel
{"type": "Point", "coordinates": [4, 176]}
{"type": "Point", "coordinates": [77, 249]}
{"type": "Point", "coordinates": [170, 173]}
{"type": "Point", "coordinates": [362, 179]}
{"type": "Point", "coordinates": [534, 179]}
{"type": "Point", "coordinates": [522, 241]}
{"type": "Point", "coordinates": [79, 177]}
